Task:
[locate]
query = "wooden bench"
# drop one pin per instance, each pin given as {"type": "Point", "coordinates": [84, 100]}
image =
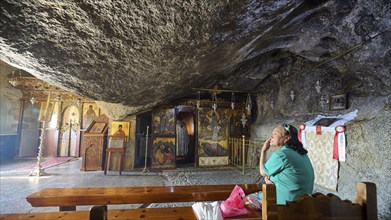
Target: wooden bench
{"type": "Point", "coordinates": [171, 213]}
{"type": "Point", "coordinates": [319, 206]}
{"type": "Point", "coordinates": [68, 198]}
{"type": "Point", "coordinates": [316, 206]}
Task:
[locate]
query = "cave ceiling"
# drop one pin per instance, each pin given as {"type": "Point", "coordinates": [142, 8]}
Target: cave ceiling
{"type": "Point", "coordinates": [140, 54]}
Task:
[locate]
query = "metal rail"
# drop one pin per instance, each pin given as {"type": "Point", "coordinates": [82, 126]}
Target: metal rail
{"type": "Point", "coordinates": [244, 152]}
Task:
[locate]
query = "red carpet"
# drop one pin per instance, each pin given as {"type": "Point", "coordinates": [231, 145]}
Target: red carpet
{"type": "Point", "coordinates": [50, 162]}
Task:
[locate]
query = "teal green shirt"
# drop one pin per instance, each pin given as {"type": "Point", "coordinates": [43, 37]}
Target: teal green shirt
{"type": "Point", "coordinates": [291, 172]}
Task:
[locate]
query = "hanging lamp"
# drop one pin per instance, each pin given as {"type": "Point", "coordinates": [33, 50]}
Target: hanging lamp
{"type": "Point", "coordinates": [248, 104]}
{"type": "Point", "coordinates": [198, 104]}
{"type": "Point", "coordinates": [232, 101]}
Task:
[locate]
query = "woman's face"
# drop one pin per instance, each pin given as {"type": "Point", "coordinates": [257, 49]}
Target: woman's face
{"type": "Point", "coordinates": [278, 137]}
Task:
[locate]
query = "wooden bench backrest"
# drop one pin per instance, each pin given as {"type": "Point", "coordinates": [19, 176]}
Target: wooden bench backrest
{"type": "Point", "coordinates": [320, 206]}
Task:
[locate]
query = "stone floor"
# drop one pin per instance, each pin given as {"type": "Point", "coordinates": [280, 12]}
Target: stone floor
{"type": "Point", "coordinates": [16, 184]}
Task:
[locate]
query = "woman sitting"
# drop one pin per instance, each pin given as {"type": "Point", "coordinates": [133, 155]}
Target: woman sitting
{"type": "Point", "coordinates": [289, 168]}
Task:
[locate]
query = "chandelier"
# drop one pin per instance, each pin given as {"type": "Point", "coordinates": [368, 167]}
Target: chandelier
{"type": "Point", "coordinates": [215, 91]}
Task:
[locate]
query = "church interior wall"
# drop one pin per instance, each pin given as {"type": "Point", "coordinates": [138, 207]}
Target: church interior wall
{"type": "Point", "coordinates": [30, 132]}
{"type": "Point", "coordinates": [9, 117]}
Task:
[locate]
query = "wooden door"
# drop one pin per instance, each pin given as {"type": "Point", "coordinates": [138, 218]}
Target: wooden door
{"type": "Point", "coordinates": [69, 132]}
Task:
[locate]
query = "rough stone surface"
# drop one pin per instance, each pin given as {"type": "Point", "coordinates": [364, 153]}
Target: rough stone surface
{"type": "Point", "coordinates": [144, 53]}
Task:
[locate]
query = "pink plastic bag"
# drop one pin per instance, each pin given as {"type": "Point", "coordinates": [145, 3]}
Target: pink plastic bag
{"type": "Point", "coordinates": [234, 205]}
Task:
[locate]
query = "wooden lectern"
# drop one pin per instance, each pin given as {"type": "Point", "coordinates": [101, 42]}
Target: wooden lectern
{"type": "Point", "coordinates": [94, 144]}
{"type": "Point", "coordinates": [116, 144]}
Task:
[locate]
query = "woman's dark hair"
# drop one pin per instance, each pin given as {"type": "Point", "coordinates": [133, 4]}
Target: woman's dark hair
{"type": "Point", "coordinates": [293, 142]}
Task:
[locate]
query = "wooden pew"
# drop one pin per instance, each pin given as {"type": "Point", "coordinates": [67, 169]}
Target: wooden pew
{"type": "Point", "coordinates": [121, 214]}
{"type": "Point", "coordinates": [319, 206]}
{"type": "Point", "coordinates": [316, 206]}
{"type": "Point", "coordinates": [170, 213]}
{"type": "Point", "coordinates": [68, 198]}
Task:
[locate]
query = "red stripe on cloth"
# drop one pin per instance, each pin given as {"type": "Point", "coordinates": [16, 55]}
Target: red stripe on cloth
{"type": "Point", "coordinates": [318, 130]}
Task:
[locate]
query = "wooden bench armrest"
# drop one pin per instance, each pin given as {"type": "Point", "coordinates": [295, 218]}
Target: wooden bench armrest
{"type": "Point", "coordinates": [366, 196]}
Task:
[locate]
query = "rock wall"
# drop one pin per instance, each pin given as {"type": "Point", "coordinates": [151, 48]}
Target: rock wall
{"type": "Point", "coordinates": [146, 53]}
{"type": "Point", "coordinates": [9, 115]}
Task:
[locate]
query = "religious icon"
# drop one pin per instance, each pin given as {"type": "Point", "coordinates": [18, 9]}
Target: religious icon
{"type": "Point", "coordinates": [163, 153]}
{"type": "Point", "coordinates": [120, 128]}
{"type": "Point", "coordinates": [164, 122]}
{"type": "Point", "coordinates": [98, 127]}
{"type": "Point", "coordinates": [326, 121]}
{"type": "Point", "coordinates": [338, 102]}
{"type": "Point", "coordinates": [213, 132]}
{"type": "Point", "coordinates": [90, 113]}
{"type": "Point", "coordinates": [182, 138]}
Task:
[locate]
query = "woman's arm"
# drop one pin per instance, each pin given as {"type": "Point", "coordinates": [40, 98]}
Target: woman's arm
{"type": "Point", "coordinates": [265, 148]}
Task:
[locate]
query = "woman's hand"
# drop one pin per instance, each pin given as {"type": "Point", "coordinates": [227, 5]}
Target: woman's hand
{"type": "Point", "coordinates": [267, 180]}
{"type": "Point", "coordinates": [266, 145]}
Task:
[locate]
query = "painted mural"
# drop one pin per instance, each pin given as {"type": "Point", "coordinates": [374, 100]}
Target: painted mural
{"type": "Point", "coordinates": [164, 122]}
{"type": "Point", "coordinates": [235, 128]}
{"type": "Point", "coordinates": [163, 153]}
{"type": "Point", "coordinates": [90, 113]}
{"type": "Point", "coordinates": [213, 132]}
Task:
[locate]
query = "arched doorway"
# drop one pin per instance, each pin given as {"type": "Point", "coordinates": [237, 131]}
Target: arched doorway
{"type": "Point", "coordinates": [69, 132]}
{"type": "Point", "coordinates": [185, 136]}
{"type": "Point", "coordinates": [142, 121]}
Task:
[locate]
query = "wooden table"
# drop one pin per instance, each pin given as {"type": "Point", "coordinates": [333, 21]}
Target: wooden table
{"type": "Point", "coordinates": [68, 198]}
